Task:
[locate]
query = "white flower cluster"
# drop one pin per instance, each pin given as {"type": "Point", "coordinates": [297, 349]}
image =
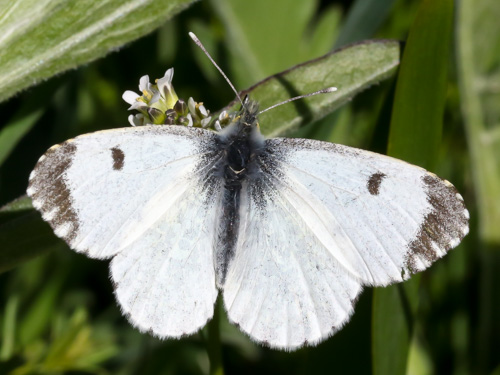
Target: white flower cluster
{"type": "Point", "coordinates": [159, 104]}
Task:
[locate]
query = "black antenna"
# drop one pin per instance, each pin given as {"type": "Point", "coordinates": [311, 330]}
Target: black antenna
{"type": "Point", "coordinates": [198, 43]}
{"type": "Point", "coordinates": [323, 91]}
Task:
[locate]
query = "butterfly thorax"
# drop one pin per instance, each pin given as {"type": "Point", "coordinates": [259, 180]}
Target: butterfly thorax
{"type": "Point", "coordinates": [241, 144]}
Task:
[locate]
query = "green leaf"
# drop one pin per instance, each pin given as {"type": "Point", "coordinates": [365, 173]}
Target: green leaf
{"type": "Point", "coordinates": [15, 129]}
{"type": "Point", "coordinates": [40, 38]}
{"type": "Point", "coordinates": [263, 42]}
{"type": "Point", "coordinates": [351, 70]}
{"type": "Point", "coordinates": [41, 309]}
{"type": "Point", "coordinates": [32, 108]}
{"type": "Point", "coordinates": [415, 135]}
{"type": "Point", "coordinates": [479, 78]}
{"type": "Point", "coordinates": [417, 117]}
{"type": "Point", "coordinates": [478, 60]}
{"type": "Point", "coordinates": [363, 20]}
{"type": "Point", "coordinates": [23, 234]}
{"type": "Point", "coordinates": [9, 327]}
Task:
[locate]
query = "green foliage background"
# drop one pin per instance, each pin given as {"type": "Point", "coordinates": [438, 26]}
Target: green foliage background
{"type": "Point", "coordinates": [441, 111]}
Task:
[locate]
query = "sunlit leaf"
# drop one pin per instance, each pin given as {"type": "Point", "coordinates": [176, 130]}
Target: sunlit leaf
{"type": "Point", "coordinates": [351, 70]}
{"type": "Point", "coordinates": [40, 38]}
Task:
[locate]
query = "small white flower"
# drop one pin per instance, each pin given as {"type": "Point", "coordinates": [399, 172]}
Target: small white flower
{"type": "Point", "coordinates": [223, 116]}
{"type": "Point", "coordinates": [144, 84]}
{"type": "Point", "coordinates": [202, 110]}
{"type": "Point", "coordinates": [165, 84]}
{"type": "Point", "coordinates": [159, 104]}
{"type": "Point", "coordinates": [130, 97]}
{"type": "Point", "coordinates": [137, 120]}
{"type": "Point", "coordinates": [217, 126]}
{"type": "Point", "coordinates": [205, 122]}
{"type": "Point", "coordinates": [191, 105]}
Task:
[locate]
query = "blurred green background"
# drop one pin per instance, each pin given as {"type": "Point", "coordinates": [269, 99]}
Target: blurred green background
{"type": "Point", "coordinates": [442, 111]}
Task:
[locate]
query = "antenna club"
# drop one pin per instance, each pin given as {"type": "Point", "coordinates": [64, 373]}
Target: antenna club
{"type": "Point", "coordinates": [194, 37]}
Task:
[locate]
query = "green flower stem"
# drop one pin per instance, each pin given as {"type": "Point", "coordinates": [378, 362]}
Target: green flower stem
{"type": "Point", "coordinates": [214, 348]}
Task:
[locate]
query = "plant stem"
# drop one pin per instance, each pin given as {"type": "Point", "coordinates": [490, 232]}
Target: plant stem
{"type": "Point", "coordinates": [213, 342]}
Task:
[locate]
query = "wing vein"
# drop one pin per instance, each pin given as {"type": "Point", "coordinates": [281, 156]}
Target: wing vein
{"type": "Point", "coordinates": [319, 217]}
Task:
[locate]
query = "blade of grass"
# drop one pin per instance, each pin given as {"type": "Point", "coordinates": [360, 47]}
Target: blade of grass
{"type": "Point", "coordinates": [478, 51]}
{"type": "Point", "coordinates": [32, 108]}
{"type": "Point", "coordinates": [9, 327]}
{"type": "Point", "coordinates": [363, 20]}
{"type": "Point", "coordinates": [415, 135]}
{"type": "Point", "coordinates": [483, 145]}
{"type": "Point", "coordinates": [23, 234]}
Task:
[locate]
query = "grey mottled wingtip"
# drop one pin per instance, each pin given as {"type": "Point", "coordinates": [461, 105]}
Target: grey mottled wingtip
{"type": "Point", "coordinates": [442, 229]}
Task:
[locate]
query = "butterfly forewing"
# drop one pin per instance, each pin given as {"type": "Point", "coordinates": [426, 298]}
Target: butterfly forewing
{"type": "Point", "coordinates": [389, 218]}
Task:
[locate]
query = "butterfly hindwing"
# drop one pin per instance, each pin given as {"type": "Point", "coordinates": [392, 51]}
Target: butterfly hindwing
{"type": "Point", "coordinates": [320, 221]}
{"type": "Point", "coordinates": [143, 196]}
{"type": "Point", "coordinates": [165, 280]}
{"type": "Point", "coordinates": [282, 288]}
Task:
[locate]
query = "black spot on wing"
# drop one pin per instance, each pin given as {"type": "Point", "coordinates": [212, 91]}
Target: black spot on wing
{"type": "Point", "coordinates": [443, 227]}
{"type": "Point", "coordinates": [51, 194]}
{"type": "Point", "coordinates": [374, 182]}
{"type": "Point", "coordinates": [118, 158]}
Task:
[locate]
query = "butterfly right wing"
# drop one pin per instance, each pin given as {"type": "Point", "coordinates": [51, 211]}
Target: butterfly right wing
{"type": "Point", "coordinates": [319, 221]}
{"type": "Point", "coordinates": [143, 196]}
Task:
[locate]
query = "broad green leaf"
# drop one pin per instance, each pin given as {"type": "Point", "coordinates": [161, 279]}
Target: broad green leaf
{"type": "Point", "coordinates": [363, 20]}
{"type": "Point", "coordinates": [40, 38]}
{"type": "Point", "coordinates": [351, 70]}
{"type": "Point", "coordinates": [415, 135]}
{"type": "Point", "coordinates": [263, 41]}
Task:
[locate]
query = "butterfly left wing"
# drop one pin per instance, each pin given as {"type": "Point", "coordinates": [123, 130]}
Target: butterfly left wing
{"type": "Point", "coordinates": [144, 197]}
{"type": "Point", "coordinates": [320, 221]}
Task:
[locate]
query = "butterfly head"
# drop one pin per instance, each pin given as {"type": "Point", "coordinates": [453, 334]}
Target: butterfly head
{"type": "Point", "coordinates": [249, 112]}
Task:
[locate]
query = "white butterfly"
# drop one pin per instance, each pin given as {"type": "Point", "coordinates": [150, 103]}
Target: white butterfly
{"type": "Point", "coordinates": [288, 230]}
